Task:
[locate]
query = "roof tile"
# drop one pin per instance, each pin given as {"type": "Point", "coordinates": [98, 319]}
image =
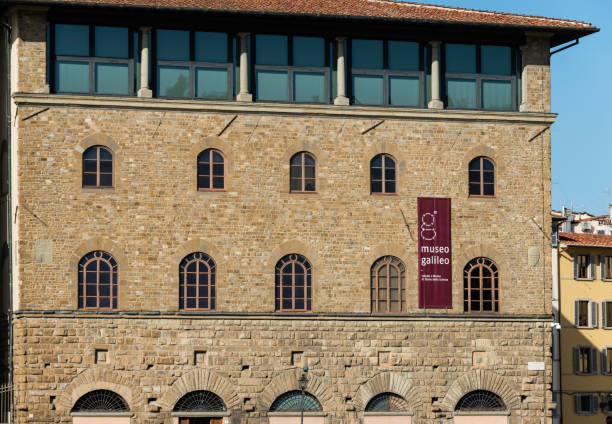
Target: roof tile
{"type": "Point", "coordinates": [590, 240]}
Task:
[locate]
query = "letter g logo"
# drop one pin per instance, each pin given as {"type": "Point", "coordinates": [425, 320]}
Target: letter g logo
{"type": "Point", "coordinates": [428, 222]}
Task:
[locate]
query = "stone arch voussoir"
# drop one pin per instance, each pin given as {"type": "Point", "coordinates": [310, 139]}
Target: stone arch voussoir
{"type": "Point", "coordinates": [387, 382]}
{"type": "Point", "coordinates": [200, 379]}
{"type": "Point", "coordinates": [481, 380]}
{"type": "Point", "coordinates": [101, 379]}
{"type": "Point", "coordinates": [288, 381]}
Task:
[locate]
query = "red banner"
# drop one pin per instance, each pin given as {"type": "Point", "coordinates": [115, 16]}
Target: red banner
{"type": "Point", "coordinates": [435, 254]}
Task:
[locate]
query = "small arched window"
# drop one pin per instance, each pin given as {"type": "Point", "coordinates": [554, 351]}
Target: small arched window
{"type": "Point", "coordinates": [98, 281]}
{"type": "Point", "coordinates": [387, 402]}
{"type": "Point", "coordinates": [293, 401]}
{"type": "Point", "coordinates": [293, 284]}
{"type": "Point", "coordinates": [101, 401]}
{"type": "Point", "coordinates": [387, 285]}
{"type": "Point", "coordinates": [211, 170]}
{"type": "Point", "coordinates": [197, 283]}
{"type": "Point", "coordinates": [97, 167]}
{"type": "Point", "coordinates": [383, 175]}
{"type": "Point", "coordinates": [303, 173]}
{"type": "Point", "coordinates": [480, 400]}
{"type": "Point", "coordinates": [482, 177]}
{"type": "Point", "coordinates": [200, 401]}
{"type": "Point", "coordinates": [481, 286]}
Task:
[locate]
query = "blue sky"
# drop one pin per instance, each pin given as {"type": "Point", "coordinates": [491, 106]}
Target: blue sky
{"type": "Point", "coordinates": [581, 94]}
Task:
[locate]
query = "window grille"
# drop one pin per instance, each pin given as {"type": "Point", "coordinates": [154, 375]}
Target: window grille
{"type": "Point", "coordinates": [480, 400]}
{"type": "Point", "coordinates": [481, 286]}
{"type": "Point", "coordinates": [388, 285]}
{"type": "Point", "coordinates": [383, 175]}
{"type": "Point", "coordinates": [197, 283]}
{"type": "Point", "coordinates": [200, 401]}
{"type": "Point", "coordinates": [98, 283]}
{"type": "Point", "coordinates": [293, 284]}
{"type": "Point", "coordinates": [387, 402]}
{"type": "Point", "coordinates": [482, 177]}
{"type": "Point", "coordinates": [101, 401]}
{"type": "Point", "coordinates": [293, 401]}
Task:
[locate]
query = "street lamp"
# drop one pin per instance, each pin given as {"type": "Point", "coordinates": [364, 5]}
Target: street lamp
{"type": "Point", "coordinates": [303, 382]}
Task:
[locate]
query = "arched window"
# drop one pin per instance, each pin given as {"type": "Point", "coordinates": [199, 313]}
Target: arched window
{"type": "Point", "coordinates": [101, 401]}
{"type": "Point", "coordinates": [97, 167]}
{"type": "Point", "coordinates": [482, 177]}
{"type": "Point", "coordinates": [293, 284]}
{"type": "Point", "coordinates": [292, 402]}
{"type": "Point", "coordinates": [480, 400]}
{"type": "Point", "coordinates": [211, 171]}
{"type": "Point", "coordinates": [383, 177]}
{"type": "Point", "coordinates": [197, 275]}
{"type": "Point", "coordinates": [303, 173]}
{"type": "Point", "coordinates": [481, 286]}
{"type": "Point", "coordinates": [98, 281]}
{"type": "Point", "coordinates": [388, 285]}
{"type": "Point", "coordinates": [200, 401]}
{"type": "Point", "coordinates": [387, 402]}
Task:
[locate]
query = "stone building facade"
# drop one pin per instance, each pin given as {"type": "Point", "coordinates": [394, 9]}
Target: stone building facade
{"type": "Point", "coordinates": [152, 354]}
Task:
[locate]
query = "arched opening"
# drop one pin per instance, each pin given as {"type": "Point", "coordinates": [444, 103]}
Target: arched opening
{"type": "Point", "coordinates": [481, 407]}
{"type": "Point", "coordinates": [200, 407]}
{"type": "Point", "coordinates": [101, 407]}
{"type": "Point", "coordinates": [288, 407]}
{"type": "Point", "coordinates": [387, 408]}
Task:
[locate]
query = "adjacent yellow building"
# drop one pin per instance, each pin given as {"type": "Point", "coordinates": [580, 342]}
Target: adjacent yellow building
{"type": "Point", "coordinates": [585, 301]}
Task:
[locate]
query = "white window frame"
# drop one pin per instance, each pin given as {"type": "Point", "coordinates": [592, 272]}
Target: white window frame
{"type": "Point", "coordinates": [594, 404]}
{"type": "Point", "coordinates": [593, 313]}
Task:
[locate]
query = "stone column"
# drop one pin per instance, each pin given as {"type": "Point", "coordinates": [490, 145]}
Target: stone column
{"type": "Point", "coordinates": [341, 98]}
{"type": "Point", "coordinates": [436, 102]}
{"type": "Point", "coordinates": [524, 106]}
{"type": "Point", "coordinates": [244, 95]}
{"type": "Point", "coordinates": [144, 90]}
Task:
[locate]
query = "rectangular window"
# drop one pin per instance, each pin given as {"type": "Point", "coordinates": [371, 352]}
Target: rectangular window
{"type": "Point", "coordinates": [606, 365]}
{"type": "Point", "coordinates": [581, 318]}
{"type": "Point", "coordinates": [582, 264]}
{"type": "Point", "coordinates": [92, 59]}
{"type": "Point", "coordinates": [585, 360]}
{"type": "Point", "coordinates": [606, 314]}
{"type": "Point", "coordinates": [480, 77]}
{"type": "Point", "coordinates": [586, 403]}
{"type": "Point", "coordinates": [193, 64]}
{"type": "Point", "coordinates": [386, 72]}
{"type": "Point", "coordinates": [291, 69]}
{"type": "Point", "coordinates": [606, 267]}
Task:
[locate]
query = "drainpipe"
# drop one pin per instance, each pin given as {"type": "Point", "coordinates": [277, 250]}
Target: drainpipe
{"type": "Point", "coordinates": [556, 334]}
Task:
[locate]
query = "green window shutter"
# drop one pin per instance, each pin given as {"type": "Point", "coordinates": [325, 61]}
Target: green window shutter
{"type": "Point", "coordinates": [604, 314]}
{"type": "Point", "coordinates": [594, 404]}
{"type": "Point", "coordinates": [577, 404]}
{"type": "Point", "coordinates": [592, 267]}
{"type": "Point", "coordinates": [604, 360]}
{"type": "Point", "coordinates": [576, 361]}
{"type": "Point", "coordinates": [575, 266]}
{"type": "Point", "coordinates": [594, 355]}
{"type": "Point", "coordinates": [602, 267]}
{"type": "Point", "coordinates": [576, 312]}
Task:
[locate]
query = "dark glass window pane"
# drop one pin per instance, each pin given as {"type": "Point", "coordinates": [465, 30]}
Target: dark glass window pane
{"type": "Point", "coordinates": [91, 290]}
{"type": "Point", "coordinates": [287, 304]}
{"type": "Point", "coordinates": [216, 157]}
{"type": "Point", "coordinates": [487, 165]}
{"type": "Point", "coordinates": [104, 290]}
{"type": "Point", "coordinates": [296, 185]}
{"type": "Point", "coordinates": [389, 163]}
{"type": "Point", "coordinates": [296, 171]}
{"type": "Point", "coordinates": [218, 169]}
{"type": "Point", "coordinates": [203, 168]}
{"type": "Point", "coordinates": [376, 187]}
{"type": "Point", "coordinates": [309, 171]}
{"type": "Point", "coordinates": [89, 179]}
{"type": "Point", "coordinates": [71, 77]}
{"type": "Point", "coordinates": [496, 60]}
{"type": "Point", "coordinates": [367, 54]}
{"type": "Point", "coordinates": [389, 174]}
{"type": "Point", "coordinates": [461, 58]}
{"type": "Point", "coordinates": [203, 303]}
{"type": "Point", "coordinates": [377, 173]}
{"type": "Point", "coordinates": [497, 94]}
{"type": "Point", "coordinates": [489, 177]}
{"type": "Point", "coordinates": [475, 165]}
{"type": "Point", "coordinates": [90, 166]}
{"type": "Point", "coordinates": [211, 47]}
{"type": "Point", "coordinates": [474, 176]}
{"type": "Point", "coordinates": [489, 190]}
{"type": "Point", "coordinates": [72, 40]}
{"type": "Point", "coordinates": [91, 153]}
{"type": "Point", "coordinates": [112, 78]}
{"type": "Point", "coordinates": [106, 166]}
{"type": "Point", "coordinates": [271, 50]}
{"type": "Point", "coordinates": [296, 159]}
{"type": "Point", "coordinates": [390, 187]}
{"type": "Point", "coordinates": [308, 51]}
{"type": "Point", "coordinates": [377, 161]}
{"type": "Point", "coordinates": [218, 182]}
{"type": "Point", "coordinates": [203, 182]}
{"type": "Point", "coordinates": [106, 180]}
{"type": "Point", "coordinates": [191, 303]}
{"type": "Point", "coordinates": [172, 44]}
{"type": "Point", "coordinates": [173, 81]}
{"type": "Point", "coordinates": [404, 91]}
{"type": "Point", "coordinates": [308, 160]}
{"type": "Point", "coordinates": [368, 89]}
{"type": "Point", "coordinates": [212, 83]}
{"type": "Point", "coordinates": [461, 93]}
{"type": "Point", "coordinates": [309, 185]}
{"type": "Point", "coordinates": [91, 302]}
{"type": "Point", "coordinates": [105, 154]}
{"type": "Point", "coordinates": [309, 87]}
{"type": "Point", "coordinates": [403, 55]}
{"type": "Point", "coordinates": [299, 304]}
{"type": "Point", "coordinates": [273, 85]}
{"type": "Point", "coordinates": [475, 189]}
{"type": "Point", "coordinates": [111, 42]}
